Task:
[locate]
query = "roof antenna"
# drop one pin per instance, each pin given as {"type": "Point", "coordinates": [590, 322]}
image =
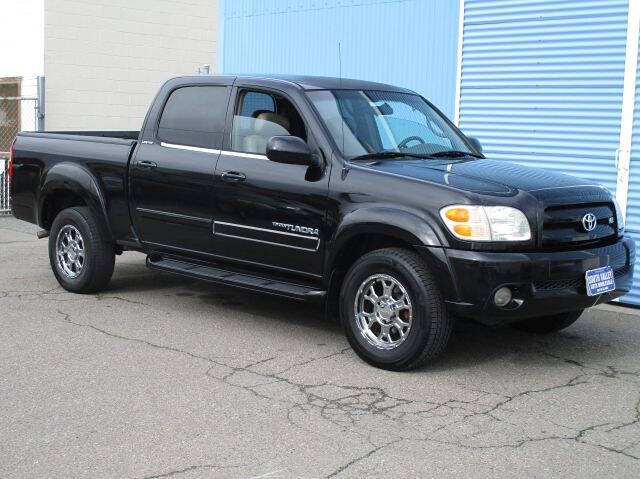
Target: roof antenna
{"type": "Point", "coordinates": [340, 62]}
{"type": "Point", "coordinates": [338, 99]}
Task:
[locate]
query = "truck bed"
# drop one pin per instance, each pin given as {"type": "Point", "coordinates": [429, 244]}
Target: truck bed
{"type": "Point", "coordinates": [96, 162]}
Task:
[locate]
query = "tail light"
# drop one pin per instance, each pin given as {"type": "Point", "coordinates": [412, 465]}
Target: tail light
{"type": "Point", "coordinates": [10, 167]}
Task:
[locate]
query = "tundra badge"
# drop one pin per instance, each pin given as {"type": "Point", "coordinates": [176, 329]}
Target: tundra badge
{"type": "Point", "coordinates": [296, 228]}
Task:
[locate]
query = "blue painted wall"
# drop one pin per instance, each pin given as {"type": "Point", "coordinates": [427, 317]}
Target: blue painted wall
{"type": "Point", "coordinates": [409, 43]}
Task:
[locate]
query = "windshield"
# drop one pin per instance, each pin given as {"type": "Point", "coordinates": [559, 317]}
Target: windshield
{"type": "Point", "coordinates": [365, 122]}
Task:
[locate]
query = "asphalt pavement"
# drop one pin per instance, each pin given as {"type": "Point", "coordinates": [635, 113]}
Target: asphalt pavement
{"type": "Point", "coordinates": [160, 376]}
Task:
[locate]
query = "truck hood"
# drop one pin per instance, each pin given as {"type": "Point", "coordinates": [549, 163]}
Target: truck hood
{"type": "Point", "coordinates": [496, 178]}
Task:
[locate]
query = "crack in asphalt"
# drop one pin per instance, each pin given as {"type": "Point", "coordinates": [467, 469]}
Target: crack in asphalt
{"type": "Point", "coordinates": [184, 470]}
{"type": "Point", "coordinates": [348, 407]}
{"type": "Point", "coordinates": [469, 418]}
{"type": "Point", "coordinates": [16, 242]}
{"type": "Point", "coordinates": [201, 467]}
{"type": "Point", "coordinates": [101, 297]}
{"type": "Point", "coordinates": [67, 318]}
{"type": "Point", "coordinates": [356, 460]}
{"type": "Point", "coordinates": [466, 417]}
{"type": "Point", "coordinates": [51, 295]}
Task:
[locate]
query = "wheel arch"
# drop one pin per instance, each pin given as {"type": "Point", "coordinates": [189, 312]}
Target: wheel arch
{"type": "Point", "coordinates": [363, 231]}
{"type": "Point", "coordinates": [66, 185]}
{"type": "Point", "coordinates": [394, 226]}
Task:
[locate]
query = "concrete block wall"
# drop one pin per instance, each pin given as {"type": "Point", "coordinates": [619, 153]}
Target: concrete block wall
{"type": "Point", "coordinates": [105, 59]}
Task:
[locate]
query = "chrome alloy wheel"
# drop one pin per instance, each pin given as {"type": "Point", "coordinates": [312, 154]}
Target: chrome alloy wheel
{"type": "Point", "coordinates": [383, 311]}
{"type": "Point", "coordinates": [70, 252]}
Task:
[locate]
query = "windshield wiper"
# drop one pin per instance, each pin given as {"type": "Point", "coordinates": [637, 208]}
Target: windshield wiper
{"type": "Point", "coordinates": [388, 154]}
{"type": "Point", "coordinates": [454, 154]}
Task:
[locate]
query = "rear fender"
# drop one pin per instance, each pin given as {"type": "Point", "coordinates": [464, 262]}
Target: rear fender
{"type": "Point", "coordinates": [74, 178]}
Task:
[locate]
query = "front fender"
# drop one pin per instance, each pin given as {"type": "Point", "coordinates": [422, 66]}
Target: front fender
{"type": "Point", "coordinates": [404, 225]}
{"type": "Point", "coordinates": [74, 178]}
{"type": "Point", "coordinates": [399, 224]}
{"type": "Point", "coordinates": [427, 239]}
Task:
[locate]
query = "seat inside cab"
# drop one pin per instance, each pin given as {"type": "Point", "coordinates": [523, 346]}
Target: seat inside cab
{"type": "Point", "coordinates": [260, 116]}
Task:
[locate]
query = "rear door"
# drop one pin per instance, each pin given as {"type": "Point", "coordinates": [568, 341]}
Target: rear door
{"type": "Point", "coordinates": [172, 173]}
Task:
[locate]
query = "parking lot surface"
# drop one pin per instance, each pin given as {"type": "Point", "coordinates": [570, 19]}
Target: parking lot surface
{"type": "Point", "coordinates": [160, 376]}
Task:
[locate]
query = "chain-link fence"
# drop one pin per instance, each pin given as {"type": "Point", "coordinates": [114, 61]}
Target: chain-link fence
{"type": "Point", "coordinates": [17, 114]}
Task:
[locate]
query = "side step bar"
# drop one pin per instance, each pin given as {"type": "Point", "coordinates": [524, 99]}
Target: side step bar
{"type": "Point", "coordinates": [233, 278]}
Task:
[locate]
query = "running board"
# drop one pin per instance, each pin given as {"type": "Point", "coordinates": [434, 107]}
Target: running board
{"type": "Point", "coordinates": [233, 278]}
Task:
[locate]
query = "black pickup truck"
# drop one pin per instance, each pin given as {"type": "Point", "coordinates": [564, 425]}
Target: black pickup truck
{"type": "Point", "coordinates": [360, 195]}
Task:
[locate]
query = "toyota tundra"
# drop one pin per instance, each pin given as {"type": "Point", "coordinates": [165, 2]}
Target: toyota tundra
{"type": "Point", "coordinates": [361, 196]}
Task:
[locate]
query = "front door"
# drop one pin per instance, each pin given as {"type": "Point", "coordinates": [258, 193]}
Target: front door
{"type": "Point", "coordinates": [267, 213]}
{"type": "Point", "coordinates": [172, 176]}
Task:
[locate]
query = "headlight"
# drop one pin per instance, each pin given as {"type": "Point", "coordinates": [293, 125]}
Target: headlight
{"type": "Point", "coordinates": [486, 223]}
{"type": "Point", "coordinates": [619, 218]}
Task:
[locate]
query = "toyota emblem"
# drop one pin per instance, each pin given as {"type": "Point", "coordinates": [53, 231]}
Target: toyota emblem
{"type": "Point", "coordinates": [589, 222]}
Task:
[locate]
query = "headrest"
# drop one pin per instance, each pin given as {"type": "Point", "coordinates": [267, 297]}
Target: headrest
{"type": "Point", "coordinates": [274, 118]}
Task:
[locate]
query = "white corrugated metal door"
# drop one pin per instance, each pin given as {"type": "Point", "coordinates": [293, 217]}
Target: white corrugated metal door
{"type": "Point", "coordinates": [633, 198]}
{"type": "Point", "coordinates": [542, 81]}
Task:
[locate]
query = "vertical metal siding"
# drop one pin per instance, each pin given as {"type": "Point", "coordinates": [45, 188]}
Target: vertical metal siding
{"type": "Point", "coordinates": [633, 198]}
{"type": "Point", "coordinates": [542, 82]}
{"type": "Point", "coordinates": [409, 43]}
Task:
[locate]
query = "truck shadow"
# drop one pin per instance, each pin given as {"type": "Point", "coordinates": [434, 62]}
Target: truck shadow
{"type": "Point", "coordinates": [472, 344]}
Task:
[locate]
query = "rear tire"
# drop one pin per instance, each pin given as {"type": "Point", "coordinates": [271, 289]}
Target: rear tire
{"type": "Point", "coordinates": [548, 324]}
{"type": "Point", "coordinates": [81, 256]}
{"type": "Point", "coordinates": [392, 311]}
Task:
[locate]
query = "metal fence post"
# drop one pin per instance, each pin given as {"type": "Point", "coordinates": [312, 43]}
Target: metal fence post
{"type": "Point", "coordinates": [40, 104]}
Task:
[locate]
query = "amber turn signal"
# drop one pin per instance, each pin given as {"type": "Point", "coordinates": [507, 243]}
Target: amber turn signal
{"type": "Point", "coordinates": [459, 215]}
{"type": "Point", "coordinates": [462, 230]}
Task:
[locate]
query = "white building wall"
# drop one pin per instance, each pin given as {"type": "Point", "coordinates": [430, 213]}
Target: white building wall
{"type": "Point", "coordinates": [105, 59]}
{"type": "Point", "coordinates": [22, 49]}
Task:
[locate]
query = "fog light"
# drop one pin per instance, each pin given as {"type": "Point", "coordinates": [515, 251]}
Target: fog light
{"type": "Point", "coordinates": [502, 297]}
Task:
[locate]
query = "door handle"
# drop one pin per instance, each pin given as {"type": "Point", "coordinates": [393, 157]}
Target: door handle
{"type": "Point", "coordinates": [233, 176]}
{"type": "Point", "coordinates": [146, 165]}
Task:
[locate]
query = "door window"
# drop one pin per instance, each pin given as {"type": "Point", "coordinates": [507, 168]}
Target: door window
{"type": "Point", "coordinates": [195, 116]}
{"type": "Point", "coordinates": [254, 102]}
{"type": "Point", "coordinates": [261, 115]}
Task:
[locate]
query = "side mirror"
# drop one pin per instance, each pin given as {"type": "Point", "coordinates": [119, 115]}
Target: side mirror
{"type": "Point", "coordinates": [475, 143]}
{"type": "Point", "coordinates": [291, 150]}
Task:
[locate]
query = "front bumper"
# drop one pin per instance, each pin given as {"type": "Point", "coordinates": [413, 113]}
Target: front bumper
{"type": "Point", "coordinates": [546, 282]}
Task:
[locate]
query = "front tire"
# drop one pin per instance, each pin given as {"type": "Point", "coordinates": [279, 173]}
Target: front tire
{"type": "Point", "coordinates": [81, 256]}
{"type": "Point", "coordinates": [548, 324]}
{"type": "Point", "coordinates": [392, 311]}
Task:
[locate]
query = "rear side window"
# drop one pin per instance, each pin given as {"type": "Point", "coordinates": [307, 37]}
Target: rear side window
{"type": "Point", "coordinates": [195, 116]}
